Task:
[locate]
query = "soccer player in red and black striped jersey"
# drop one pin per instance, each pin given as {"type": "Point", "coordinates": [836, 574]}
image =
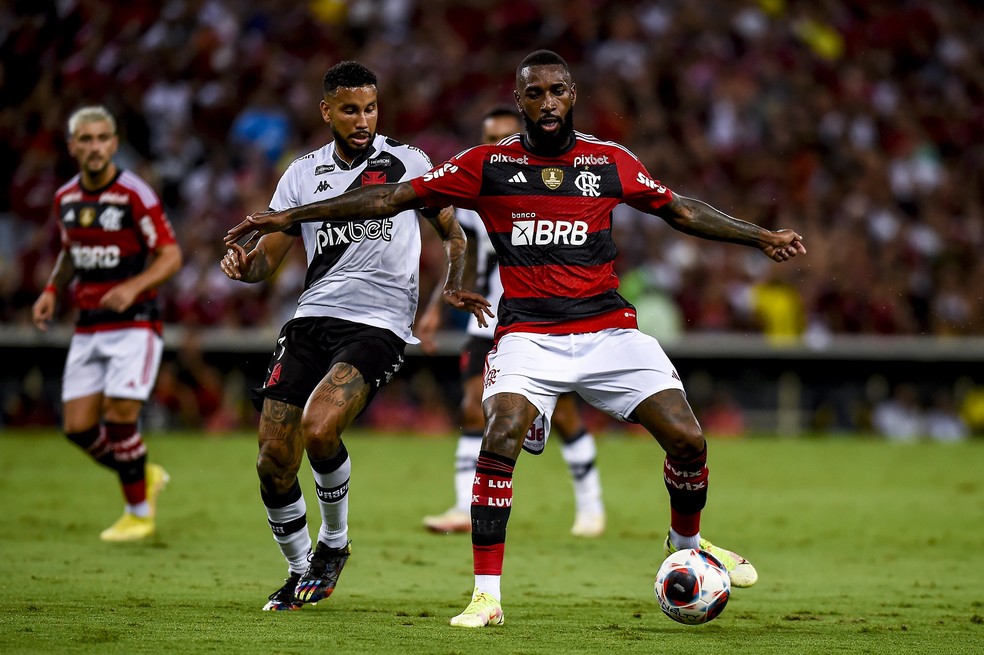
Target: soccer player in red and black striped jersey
{"type": "Point", "coordinates": [118, 248]}
{"type": "Point", "coordinates": [546, 198]}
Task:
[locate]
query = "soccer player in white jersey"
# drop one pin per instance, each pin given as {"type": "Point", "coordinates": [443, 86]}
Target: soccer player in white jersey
{"type": "Point", "coordinates": [117, 248]}
{"type": "Point", "coordinates": [578, 446]}
{"type": "Point", "coordinates": [348, 334]}
{"type": "Point", "coordinates": [546, 198]}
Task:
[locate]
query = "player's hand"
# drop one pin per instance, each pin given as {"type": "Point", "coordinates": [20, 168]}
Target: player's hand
{"type": "Point", "coordinates": [43, 310]}
{"type": "Point", "coordinates": [786, 245]}
{"type": "Point", "coordinates": [261, 223]}
{"type": "Point", "coordinates": [120, 298]}
{"type": "Point", "coordinates": [426, 328]}
{"type": "Point", "coordinates": [234, 262]}
{"type": "Point", "coordinates": [469, 301]}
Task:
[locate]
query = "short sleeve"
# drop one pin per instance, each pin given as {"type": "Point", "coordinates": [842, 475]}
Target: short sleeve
{"type": "Point", "coordinates": [639, 189]}
{"type": "Point", "coordinates": [457, 181]}
{"type": "Point", "coordinates": [152, 223]}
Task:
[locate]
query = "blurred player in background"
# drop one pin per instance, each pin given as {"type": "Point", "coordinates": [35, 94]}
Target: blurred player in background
{"type": "Point", "coordinates": [546, 199]}
{"type": "Point", "coordinates": [348, 334]}
{"type": "Point", "coordinates": [118, 246]}
{"type": "Point", "coordinates": [577, 444]}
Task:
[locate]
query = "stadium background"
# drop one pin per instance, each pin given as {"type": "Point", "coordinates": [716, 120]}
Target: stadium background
{"type": "Point", "coordinates": [859, 124]}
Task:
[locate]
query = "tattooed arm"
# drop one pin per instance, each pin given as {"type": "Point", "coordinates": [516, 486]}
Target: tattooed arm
{"type": "Point", "coordinates": [455, 249]}
{"type": "Point", "coordinates": [700, 219]}
{"type": "Point", "coordinates": [260, 262]}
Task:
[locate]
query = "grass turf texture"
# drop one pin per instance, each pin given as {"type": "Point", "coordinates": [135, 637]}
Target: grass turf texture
{"type": "Point", "coordinates": [862, 547]}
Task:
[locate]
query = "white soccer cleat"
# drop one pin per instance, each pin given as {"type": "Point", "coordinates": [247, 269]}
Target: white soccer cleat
{"type": "Point", "coordinates": [588, 524]}
{"type": "Point", "coordinates": [453, 520]}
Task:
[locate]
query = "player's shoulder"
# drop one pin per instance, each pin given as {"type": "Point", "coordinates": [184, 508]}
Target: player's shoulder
{"type": "Point", "coordinates": [73, 184]}
{"type": "Point", "coordinates": [588, 144]}
{"type": "Point", "coordinates": [388, 146]}
{"type": "Point", "coordinates": [137, 186]}
{"type": "Point", "coordinates": [309, 160]}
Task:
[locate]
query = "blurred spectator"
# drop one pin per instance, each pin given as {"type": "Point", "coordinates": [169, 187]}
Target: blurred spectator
{"type": "Point", "coordinates": [858, 124]}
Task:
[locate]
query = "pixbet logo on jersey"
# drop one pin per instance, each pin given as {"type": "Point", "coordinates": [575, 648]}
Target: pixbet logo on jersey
{"type": "Point", "coordinates": [346, 233]}
{"type": "Point", "coordinates": [542, 233]}
{"type": "Point", "coordinates": [590, 160]}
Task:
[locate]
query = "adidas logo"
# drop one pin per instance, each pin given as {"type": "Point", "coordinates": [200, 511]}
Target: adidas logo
{"type": "Point", "coordinates": [518, 177]}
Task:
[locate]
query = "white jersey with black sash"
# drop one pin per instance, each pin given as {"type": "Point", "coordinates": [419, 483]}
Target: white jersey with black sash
{"type": "Point", "coordinates": [361, 271]}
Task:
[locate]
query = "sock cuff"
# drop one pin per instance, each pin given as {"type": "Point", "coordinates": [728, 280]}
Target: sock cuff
{"type": "Point", "coordinates": [332, 464]}
{"type": "Point", "coordinates": [493, 464]}
{"type": "Point", "coordinates": [694, 463]}
{"type": "Point", "coordinates": [276, 501]}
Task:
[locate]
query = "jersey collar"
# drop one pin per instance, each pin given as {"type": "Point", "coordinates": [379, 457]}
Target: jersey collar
{"type": "Point", "coordinates": [358, 161]}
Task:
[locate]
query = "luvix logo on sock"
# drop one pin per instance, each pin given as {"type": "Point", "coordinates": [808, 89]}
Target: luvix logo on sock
{"type": "Point", "coordinates": [492, 490]}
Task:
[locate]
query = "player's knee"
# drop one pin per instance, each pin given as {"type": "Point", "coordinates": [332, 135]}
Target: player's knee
{"type": "Point", "coordinates": [320, 433]}
{"type": "Point", "coordinates": [276, 476]}
{"type": "Point", "coordinates": [685, 440]}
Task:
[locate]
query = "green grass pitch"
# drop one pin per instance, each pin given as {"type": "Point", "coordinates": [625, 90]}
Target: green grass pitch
{"type": "Point", "coordinates": [861, 547]}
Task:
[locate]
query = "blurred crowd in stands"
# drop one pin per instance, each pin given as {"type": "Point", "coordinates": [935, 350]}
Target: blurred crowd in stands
{"type": "Point", "coordinates": [859, 123]}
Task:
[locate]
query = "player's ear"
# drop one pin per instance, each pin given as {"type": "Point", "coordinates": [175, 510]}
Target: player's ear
{"type": "Point", "coordinates": [325, 114]}
{"type": "Point", "coordinates": [573, 93]}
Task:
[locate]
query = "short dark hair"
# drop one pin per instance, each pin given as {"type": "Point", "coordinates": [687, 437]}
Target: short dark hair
{"type": "Point", "coordinates": [349, 74]}
{"type": "Point", "coordinates": [498, 111]}
{"type": "Point", "coordinates": [542, 58]}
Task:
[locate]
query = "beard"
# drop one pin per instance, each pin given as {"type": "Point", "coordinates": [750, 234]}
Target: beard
{"type": "Point", "coordinates": [551, 141]}
{"type": "Point", "coordinates": [350, 152]}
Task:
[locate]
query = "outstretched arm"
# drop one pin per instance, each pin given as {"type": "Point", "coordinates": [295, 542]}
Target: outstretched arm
{"type": "Point", "coordinates": [455, 248]}
{"type": "Point", "coordinates": [700, 219]}
{"type": "Point", "coordinates": [374, 201]}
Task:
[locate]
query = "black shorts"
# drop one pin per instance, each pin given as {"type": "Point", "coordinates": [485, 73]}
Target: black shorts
{"type": "Point", "coordinates": [472, 361]}
{"type": "Point", "coordinates": [309, 347]}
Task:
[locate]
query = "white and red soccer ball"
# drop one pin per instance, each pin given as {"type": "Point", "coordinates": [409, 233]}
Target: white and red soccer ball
{"type": "Point", "coordinates": [692, 586]}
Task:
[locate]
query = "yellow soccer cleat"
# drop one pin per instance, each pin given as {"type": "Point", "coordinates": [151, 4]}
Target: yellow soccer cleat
{"type": "Point", "coordinates": [482, 611]}
{"type": "Point", "coordinates": [740, 570]}
{"type": "Point", "coordinates": [157, 479]}
{"type": "Point", "coordinates": [129, 528]}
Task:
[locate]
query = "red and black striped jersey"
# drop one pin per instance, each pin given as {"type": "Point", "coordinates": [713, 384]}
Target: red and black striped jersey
{"type": "Point", "coordinates": [109, 234]}
{"type": "Point", "coordinates": [550, 222]}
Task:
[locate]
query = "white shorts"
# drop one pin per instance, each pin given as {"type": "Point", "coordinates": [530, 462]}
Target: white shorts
{"type": "Point", "coordinates": [116, 363]}
{"type": "Point", "coordinates": [613, 370]}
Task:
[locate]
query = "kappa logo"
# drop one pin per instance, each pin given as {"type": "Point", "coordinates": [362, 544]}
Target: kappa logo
{"type": "Point", "coordinates": [324, 168]}
{"type": "Point", "coordinates": [517, 178]}
{"type": "Point", "coordinates": [588, 184]}
{"type": "Point", "coordinates": [322, 186]}
{"type": "Point", "coordinates": [542, 233]}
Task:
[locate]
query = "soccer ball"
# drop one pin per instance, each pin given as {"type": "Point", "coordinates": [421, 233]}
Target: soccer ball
{"type": "Point", "coordinates": [692, 586]}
